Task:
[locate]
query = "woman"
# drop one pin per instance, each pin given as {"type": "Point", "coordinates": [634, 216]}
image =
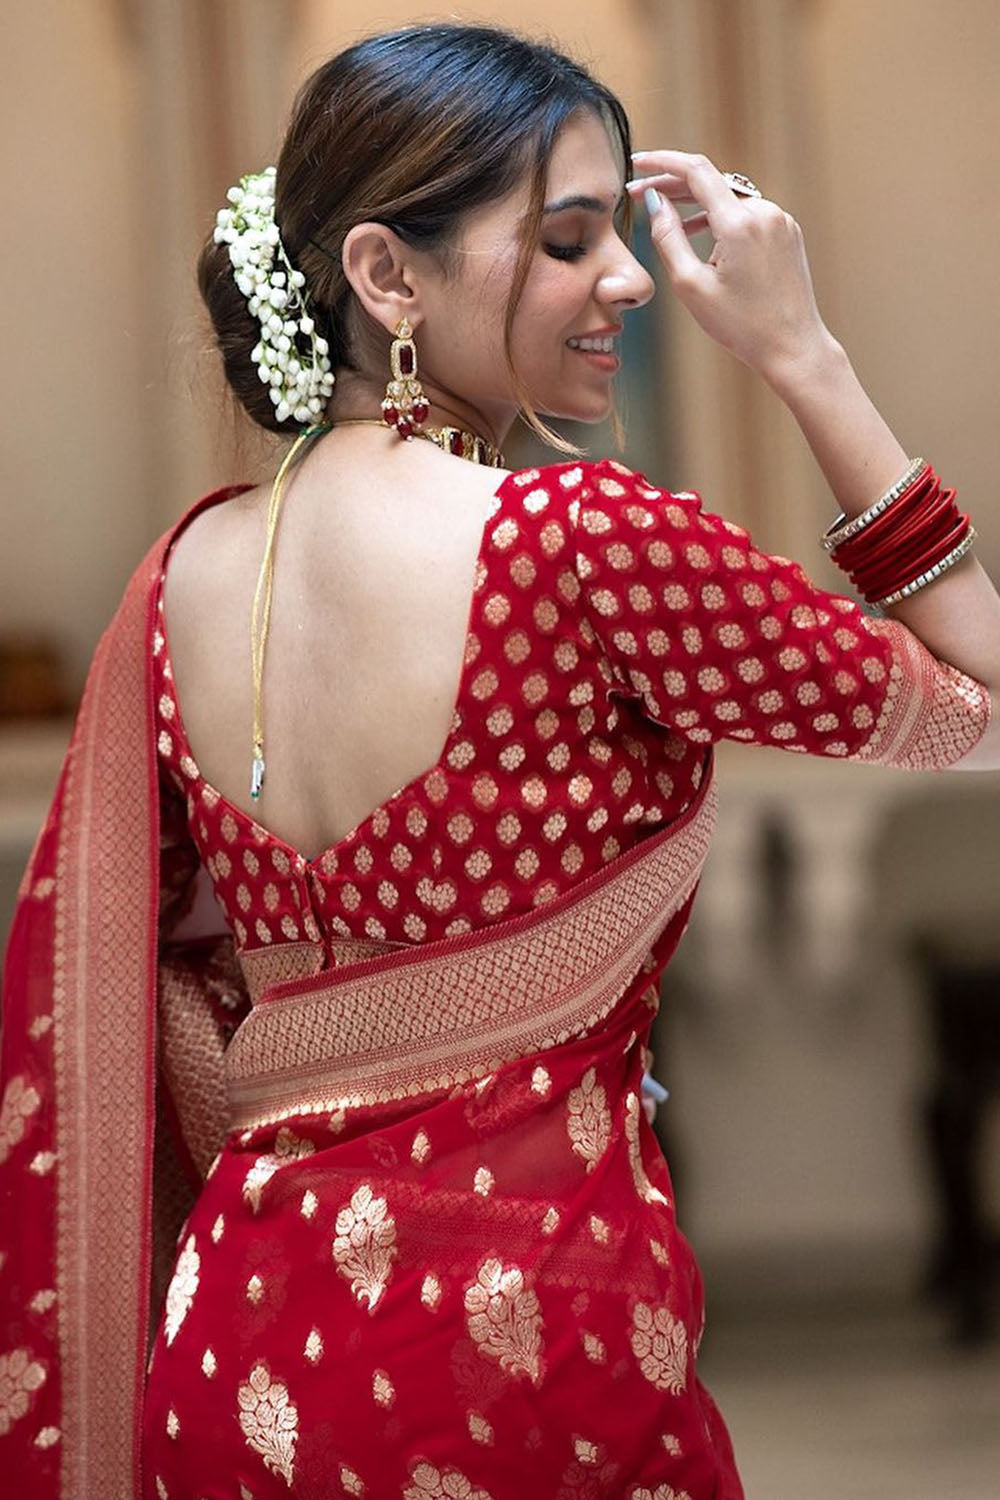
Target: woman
{"type": "Point", "coordinates": [419, 1238]}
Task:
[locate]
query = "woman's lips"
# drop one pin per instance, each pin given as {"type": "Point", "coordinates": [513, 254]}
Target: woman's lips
{"type": "Point", "coordinates": [601, 361]}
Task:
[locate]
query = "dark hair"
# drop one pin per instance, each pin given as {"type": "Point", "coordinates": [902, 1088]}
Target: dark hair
{"type": "Point", "coordinates": [411, 129]}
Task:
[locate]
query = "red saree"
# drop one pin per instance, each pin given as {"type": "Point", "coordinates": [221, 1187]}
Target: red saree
{"type": "Point", "coordinates": [430, 1247]}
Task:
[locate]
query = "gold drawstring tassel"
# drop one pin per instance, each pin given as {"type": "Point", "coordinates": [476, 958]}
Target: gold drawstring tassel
{"type": "Point", "coordinates": [260, 619]}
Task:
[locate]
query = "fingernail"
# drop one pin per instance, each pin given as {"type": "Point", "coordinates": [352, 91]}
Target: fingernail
{"type": "Point", "coordinates": [653, 1089]}
{"type": "Point", "coordinates": [654, 203]}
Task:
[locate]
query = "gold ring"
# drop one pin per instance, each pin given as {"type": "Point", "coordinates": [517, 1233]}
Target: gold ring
{"type": "Point", "coordinates": [742, 186]}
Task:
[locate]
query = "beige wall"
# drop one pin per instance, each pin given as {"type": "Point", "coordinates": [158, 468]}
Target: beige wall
{"type": "Point", "coordinates": [611, 36]}
{"type": "Point", "coordinates": [907, 145]}
{"type": "Point", "coordinates": [74, 452]}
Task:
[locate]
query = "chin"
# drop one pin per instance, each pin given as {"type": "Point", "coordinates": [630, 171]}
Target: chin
{"type": "Point", "coordinates": [588, 415]}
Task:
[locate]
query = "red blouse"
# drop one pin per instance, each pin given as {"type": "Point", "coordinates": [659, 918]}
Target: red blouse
{"type": "Point", "coordinates": [616, 631]}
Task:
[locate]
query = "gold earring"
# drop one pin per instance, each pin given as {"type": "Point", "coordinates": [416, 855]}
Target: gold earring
{"type": "Point", "coordinates": [404, 406]}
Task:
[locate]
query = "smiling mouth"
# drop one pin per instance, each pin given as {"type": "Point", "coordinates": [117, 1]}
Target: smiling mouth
{"type": "Point", "coordinates": [601, 345]}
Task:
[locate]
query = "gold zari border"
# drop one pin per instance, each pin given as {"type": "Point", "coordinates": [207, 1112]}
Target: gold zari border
{"type": "Point", "coordinates": [410, 1022]}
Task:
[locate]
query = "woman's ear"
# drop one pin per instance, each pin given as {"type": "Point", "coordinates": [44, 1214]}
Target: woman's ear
{"type": "Point", "coordinates": [383, 273]}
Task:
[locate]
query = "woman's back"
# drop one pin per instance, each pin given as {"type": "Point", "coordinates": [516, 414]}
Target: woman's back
{"type": "Point", "coordinates": [375, 567]}
{"type": "Point", "coordinates": [443, 737]}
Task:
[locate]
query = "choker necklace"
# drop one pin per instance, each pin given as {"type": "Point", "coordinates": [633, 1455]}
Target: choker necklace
{"type": "Point", "coordinates": [455, 440]}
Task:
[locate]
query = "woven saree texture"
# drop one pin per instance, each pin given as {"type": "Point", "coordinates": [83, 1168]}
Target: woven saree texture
{"type": "Point", "coordinates": [358, 1196]}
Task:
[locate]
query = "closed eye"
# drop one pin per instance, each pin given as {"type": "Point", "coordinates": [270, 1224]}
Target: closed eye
{"type": "Point", "coordinates": [565, 252]}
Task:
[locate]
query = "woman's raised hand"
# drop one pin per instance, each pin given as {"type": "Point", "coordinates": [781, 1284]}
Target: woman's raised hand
{"type": "Point", "coordinates": [754, 295]}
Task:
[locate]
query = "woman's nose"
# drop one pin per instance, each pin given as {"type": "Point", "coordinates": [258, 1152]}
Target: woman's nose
{"type": "Point", "coordinates": [628, 283]}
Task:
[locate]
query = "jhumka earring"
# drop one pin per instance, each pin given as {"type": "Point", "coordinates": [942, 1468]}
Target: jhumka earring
{"type": "Point", "coordinates": [405, 406]}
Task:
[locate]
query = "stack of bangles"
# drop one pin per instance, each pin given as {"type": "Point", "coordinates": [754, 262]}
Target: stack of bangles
{"type": "Point", "coordinates": [910, 536]}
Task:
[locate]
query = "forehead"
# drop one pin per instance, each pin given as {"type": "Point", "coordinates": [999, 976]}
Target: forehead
{"type": "Point", "coordinates": [583, 163]}
{"type": "Point", "coordinates": [584, 160]}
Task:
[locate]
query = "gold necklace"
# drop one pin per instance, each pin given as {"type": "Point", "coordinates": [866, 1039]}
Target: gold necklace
{"type": "Point", "coordinates": [453, 440]}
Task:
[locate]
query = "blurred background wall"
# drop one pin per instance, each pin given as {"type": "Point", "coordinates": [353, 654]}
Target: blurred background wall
{"type": "Point", "coordinates": [795, 1031]}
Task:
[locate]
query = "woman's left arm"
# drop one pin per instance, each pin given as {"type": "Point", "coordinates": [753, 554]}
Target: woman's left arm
{"type": "Point", "coordinates": [754, 296]}
{"type": "Point", "coordinates": [958, 616]}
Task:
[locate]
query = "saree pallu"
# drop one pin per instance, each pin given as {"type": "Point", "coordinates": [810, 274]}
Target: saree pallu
{"type": "Point", "coordinates": [438, 1256]}
{"type": "Point", "coordinates": [77, 1092]}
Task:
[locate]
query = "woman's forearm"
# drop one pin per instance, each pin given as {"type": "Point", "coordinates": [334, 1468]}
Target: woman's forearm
{"type": "Point", "coordinates": [957, 616]}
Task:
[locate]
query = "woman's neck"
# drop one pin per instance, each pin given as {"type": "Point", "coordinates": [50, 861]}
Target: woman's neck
{"type": "Point", "coordinates": [355, 398]}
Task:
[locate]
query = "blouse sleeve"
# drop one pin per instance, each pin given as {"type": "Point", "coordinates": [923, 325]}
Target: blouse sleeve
{"type": "Point", "coordinates": [719, 640]}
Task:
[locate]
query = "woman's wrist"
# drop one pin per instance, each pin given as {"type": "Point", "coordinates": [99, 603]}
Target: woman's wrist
{"type": "Point", "coordinates": [853, 444]}
{"type": "Point", "coordinates": [819, 362]}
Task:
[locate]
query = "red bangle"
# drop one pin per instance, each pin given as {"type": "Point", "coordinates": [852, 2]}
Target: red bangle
{"type": "Point", "coordinates": [923, 544]}
{"type": "Point", "coordinates": [890, 580]}
{"type": "Point", "coordinates": [923, 491]}
{"type": "Point", "coordinates": [920, 533]}
{"type": "Point", "coordinates": [844, 530]}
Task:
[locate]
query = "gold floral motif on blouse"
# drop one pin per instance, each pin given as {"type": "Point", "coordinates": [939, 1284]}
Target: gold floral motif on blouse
{"type": "Point", "coordinates": [20, 1375]}
{"type": "Point", "coordinates": [504, 1319]}
{"type": "Point", "coordinates": [588, 1120]}
{"type": "Point", "coordinates": [269, 1420]}
{"type": "Point", "coordinates": [660, 1344]}
{"type": "Point", "coordinates": [429, 1483]}
{"type": "Point", "coordinates": [365, 1245]}
{"type": "Point", "coordinates": [182, 1288]}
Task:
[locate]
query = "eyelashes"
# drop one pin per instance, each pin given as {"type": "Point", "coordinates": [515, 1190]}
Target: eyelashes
{"type": "Point", "coordinates": [565, 252]}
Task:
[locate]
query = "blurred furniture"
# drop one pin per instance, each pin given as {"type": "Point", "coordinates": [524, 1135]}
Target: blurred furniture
{"type": "Point", "coordinates": [963, 1009]}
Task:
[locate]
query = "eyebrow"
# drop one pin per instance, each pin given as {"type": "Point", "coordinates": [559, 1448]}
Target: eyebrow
{"type": "Point", "coordinates": [579, 200]}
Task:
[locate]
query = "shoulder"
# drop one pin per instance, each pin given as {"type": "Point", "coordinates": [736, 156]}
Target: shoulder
{"type": "Point", "coordinates": [583, 491]}
{"type": "Point", "coordinates": [584, 478]}
{"type": "Point", "coordinates": [215, 526]}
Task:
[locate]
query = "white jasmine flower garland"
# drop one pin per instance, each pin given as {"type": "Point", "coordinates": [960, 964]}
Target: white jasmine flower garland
{"type": "Point", "coordinates": [300, 384]}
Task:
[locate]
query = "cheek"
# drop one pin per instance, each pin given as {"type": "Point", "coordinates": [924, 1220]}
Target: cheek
{"type": "Point", "coordinates": [549, 309]}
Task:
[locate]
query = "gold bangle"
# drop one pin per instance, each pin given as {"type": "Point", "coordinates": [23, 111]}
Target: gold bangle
{"type": "Point", "coordinates": [948, 561]}
{"type": "Point", "coordinates": [842, 530]}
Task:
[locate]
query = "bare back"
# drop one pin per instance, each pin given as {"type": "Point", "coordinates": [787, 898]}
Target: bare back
{"type": "Point", "coordinates": [374, 571]}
